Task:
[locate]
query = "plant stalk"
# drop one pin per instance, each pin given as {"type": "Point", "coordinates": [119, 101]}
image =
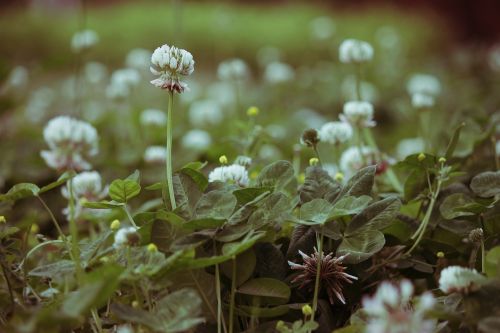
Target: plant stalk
{"type": "Point", "coordinates": [318, 274]}
{"type": "Point", "coordinates": [233, 292]}
{"type": "Point", "coordinates": [168, 161]}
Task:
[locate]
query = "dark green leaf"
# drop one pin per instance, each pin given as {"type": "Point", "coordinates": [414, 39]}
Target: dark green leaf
{"type": "Point", "coordinates": [361, 246]}
{"type": "Point", "coordinates": [277, 174]}
{"type": "Point", "coordinates": [376, 216]}
{"type": "Point", "coordinates": [265, 287]}
{"type": "Point", "coordinates": [20, 191]}
{"type": "Point", "coordinates": [486, 184]}
{"type": "Point", "coordinates": [122, 190]}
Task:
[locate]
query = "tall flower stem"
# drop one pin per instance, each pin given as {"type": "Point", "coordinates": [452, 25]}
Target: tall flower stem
{"type": "Point", "coordinates": [168, 161]}
{"type": "Point", "coordinates": [233, 292]}
{"type": "Point", "coordinates": [358, 82]}
{"type": "Point", "coordinates": [58, 227]}
{"type": "Point", "coordinates": [75, 250]}
{"type": "Point", "coordinates": [318, 273]}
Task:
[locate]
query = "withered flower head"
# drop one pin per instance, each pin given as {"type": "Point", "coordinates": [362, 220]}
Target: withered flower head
{"type": "Point", "coordinates": [332, 274]}
{"type": "Point", "coordinates": [310, 137]}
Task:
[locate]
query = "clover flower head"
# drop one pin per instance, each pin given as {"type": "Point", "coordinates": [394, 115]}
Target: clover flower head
{"type": "Point", "coordinates": [39, 103]}
{"type": "Point", "coordinates": [87, 186]}
{"type": "Point", "coordinates": [71, 142]}
{"type": "Point", "coordinates": [197, 140]}
{"type": "Point", "coordinates": [332, 274]}
{"type": "Point", "coordinates": [424, 84]}
{"type": "Point", "coordinates": [392, 310]}
{"type": "Point", "coordinates": [84, 40]}
{"type": "Point", "coordinates": [153, 117]}
{"type": "Point", "coordinates": [322, 28]}
{"type": "Point", "coordinates": [243, 160]}
{"type": "Point", "coordinates": [170, 63]}
{"type": "Point", "coordinates": [155, 155]}
{"type": "Point", "coordinates": [95, 72]}
{"type": "Point", "coordinates": [138, 59]}
{"type": "Point", "coordinates": [355, 158]}
{"type": "Point", "coordinates": [358, 113]}
{"type": "Point", "coordinates": [278, 72]}
{"type": "Point", "coordinates": [231, 173]}
{"type": "Point", "coordinates": [310, 137]}
{"type": "Point", "coordinates": [233, 70]}
{"type": "Point", "coordinates": [355, 51]}
{"type": "Point", "coordinates": [18, 77]}
{"type": "Point", "coordinates": [205, 112]}
{"type": "Point", "coordinates": [336, 132]}
{"type": "Point", "coordinates": [126, 236]}
{"type": "Point", "coordinates": [122, 82]}
{"type": "Point", "coordinates": [459, 279]}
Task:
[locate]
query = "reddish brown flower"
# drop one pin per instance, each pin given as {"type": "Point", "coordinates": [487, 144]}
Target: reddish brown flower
{"type": "Point", "coordinates": [332, 274]}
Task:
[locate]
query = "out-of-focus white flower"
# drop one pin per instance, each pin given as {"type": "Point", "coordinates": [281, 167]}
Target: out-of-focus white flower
{"type": "Point", "coordinates": [368, 91]}
{"type": "Point", "coordinates": [322, 28]}
{"type": "Point", "coordinates": [155, 154]}
{"type": "Point", "coordinates": [278, 72]}
{"type": "Point", "coordinates": [390, 311]}
{"type": "Point", "coordinates": [205, 112]}
{"type": "Point", "coordinates": [222, 93]}
{"type": "Point", "coordinates": [87, 186]}
{"type": "Point", "coordinates": [243, 160]}
{"type": "Point", "coordinates": [233, 70]}
{"type": "Point", "coordinates": [422, 101]}
{"type": "Point", "coordinates": [355, 51]}
{"type": "Point", "coordinates": [95, 72]}
{"type": "Point", "coordinates": [38, 103]}
{"type": "Point", "coordinates": [169, 63]}
{"type": "Point", "coordinates": [125, 328]}
{"type": "Point", "coordinates": [83, 40]}
{"type": "Point", "coordinates": [331, 168]}
{"type": "Point", "coordinates": [138, 59]}
{"type": "Point", "coordinates": [267, 55]}
{"type": "Point", "coordinates": [231, 173]}
{"type": "Point", "coordinates": [309, 117]}
{"type": "Point", "coordinates": [277, 132]}
{"type": "Point", "coordinates": [122, 82]}
{"type": "Point", "coordinates": [335, 132]}
{"type": "Point", "coordinates": [423, 84]}
{"type": "Point", "coordinates": [409, 146]}
{"type": "Point", "coordinates": [18, 77]}
{"type": "Point", "coordinates": [197, 140]}
{"type": "Point", "coordinates": [153, 117]}
{"type": "Point", "coordinates": [358, 114]}
{"type": "Point", "coordinates": [126, 236]}
{"type": "Point", "coordinates": [388, 37]}
{"type": "Point", "coordinates": [355, 158]}
{"type": "Point", "coordinates": [459, 279]}
{"type": "Point", "coordinates": [269, 152]}
{"type": "Point", "coordinates": [71, 142]}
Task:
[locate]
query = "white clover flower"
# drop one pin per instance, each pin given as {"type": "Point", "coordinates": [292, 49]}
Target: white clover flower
{"type": "Point", "coordinates": [459, 279]}
{"type": "Point", "coordinates": [197, 140]}
{"type": "Point", "coordinates": [18, 77]}
{"type": "Point", "coordinates": [355, 51]}
{"type": "Point", "coordinates": [409, 146]}
{"type": "Point", "coordinates": [95, 72]}
{"type": "Point", "coordinates": [243, 160]}
{"type": "Point", "coordinates": [310, 118]}
{"type": "Point", "coordinates": [233, 70]}
{"type": "Point", "coordinates": [358, 114]}
{"type": "Point", "coordinates": [138, 59]}
{"type": "Point", "coordinates": [83, 40]}
{"type": "Point", "coordinates": [122, 82]}
{"type": "Point", "coordinates": [322, 28]}
{"type": "Point", "coordinates": [336, 132]}
{"type": "Point", "coordinates": [169, 63]}
{"type": "Point", "coordinates": [153, 117]}
{"type": "Point", "coordinates": [422, 101]}
{"type": "Point", "coordinates": [87, 186]}
{"type": "Point", "coordinates": [391, 310]}
{"type": "Point", "coordinates": [71, 142]}
{"type": "Point", "coordinates": [232, 173]}
{"type": "Point", "coordinates": [267, 55]}
{"type": "Point", "coordinates": [222, 93]}
{"type": "Point", "coordinates": [277, 132]}
{"type": "Point", "coordinates": [355, 158]}
{"type": "Point", "coordinates": [423, 84]}
{"type": "Point", "coordinates": [155, 154]}
{"type": "Point", "coordinates": [278, 72]}
{"type": "Point", "coordinates": [205, 112]}
{"type": "Point", "coordinates": [38, 104]}
{"type": "Point", "coordinates": [125, 237]}
{"type": "Point", "coordinates": [269, 152]}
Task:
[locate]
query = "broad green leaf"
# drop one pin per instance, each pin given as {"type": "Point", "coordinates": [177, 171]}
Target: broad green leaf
{"type": "Point", "coordinates": [492, 262]}
{"type": "Point", "coordinates": [198, 177]}
{"type": "Point", "coordinates": [235, 248]}
{"type": "Point", "coordinates": [187, 194]}
{"type": "Point", "coordinates": [271, 210]}
{"type": "Point", "coordinates": [242, 214]}
{"type": "Point", "coordinates": [265, 287]}
{"type": "Point", "coordinates": [415, 184]}
{"type": "Point", "coordinates": [192, 240]}
{"type": "Point", "coordinates": [155, 187]}
{"type": "Point", "coordinates": [318, 185]}
{"type": "Point", "coordinates": [56, 269]}
{"type": "Point", "coordinates": [277, 174]}
{"type": "Point", "coordinates": [102, 204]}
{"type": "Point", "coordinates": [245, 266]}
{"type": "Point", "coordinates": [361, 245]}
{"type": "Point", "coordinates": [60, 181]}
{"type": "Point", "coordinates": [122, 190]}
{"type": "Point", "coordinates": [246, 195]}
{"type": "Point", "coordinates": [89, 249]}
{"type": "Point", "coordinates": [135, 176]}
{"type": "Point", "coordinates": [459, 204]}
{"type": "Point", "coordinates": [486, 184]}
{"type": "Point", "coordinates": [20, 191]}
{"type": "Point", "coordinates": [453, 142]}
{"type": "Point", "coordinates": [361, 183]}
{"type": "Point", "coordinates": [349, 205]}
{"type": "Point", "coordinates": [203, 223]}
{"type": "Point", "coordinates": [315, 211]}
{"type": "Point", "coordinates": [217, 205]}
{"type": "Point", "coordinates": [262, 312]}
{"type": "Point", "coordinates": [376, 216]}
{"type": "Point", "coordinates": [8, 231]}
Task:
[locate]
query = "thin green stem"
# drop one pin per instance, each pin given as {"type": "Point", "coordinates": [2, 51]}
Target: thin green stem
{"type": "Point", "coordinates": [202, 293]}
{"type": "Point", "coordinates": [483, 257]}
{"type": "Point", "coordinates": [495, 153]}
{"type": "Point", "coordinates": [220, 318]}
{"type": "Point", "coordinates": [318, 273]}
{"type": "Point", "coordinates": [129, 216]}
{"type": "Point", "coordinates": [75, 250]}
{"type": "Point", "coordinates": [97, 320]}
{"type": "Point", "coordinates": [233, 292]}
{"type": "Point", "coordinates": [315, 148]}
{"type": "Point", "coordinates": [168, 161]}
{"type": "Point", "coordinates": [358, 82]}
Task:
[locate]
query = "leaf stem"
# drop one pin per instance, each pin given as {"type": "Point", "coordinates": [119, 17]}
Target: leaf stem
{"type": "Point", "coordinates": [168, 161]}
{"type": "Point", "coordinates": [203, 295]}
{"type": "Point", "coordinates": [129, 216]}
{"type": "Point", "coordinates": [318, 273]}
{"type": "Point", "coordinates": [74, 231]}
{"type": "Point", "coordinates": [233, 292]}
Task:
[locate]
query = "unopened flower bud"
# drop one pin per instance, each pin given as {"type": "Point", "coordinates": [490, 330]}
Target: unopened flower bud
{"type": "Point", "coordinates": [442, 160]}
{"type": "Point", "coordinates": [476, 235]}
{"type": "Point", "coordinates": [152, 248]}
{"type": "Point", "coordinates": [223, 159]}
{"type": "Point", "coordinates": [313, 161]}
{"type": "Point", "coordinates": [339, 176]}
{"type": "Point", "coordinates": [34, 228]}
{"type": "Point", "coordinates": [135, 304]}
{"type": "Point", "coordinates": [252, 111]}
{"type": "Point", "coordinates": [307, 310]}
{"type": "Point", "coordinates": [310, 137]}
{"type": "Point", "coordinates": [440, 254]}
{"type": "Point", "coordinates": [421, 157]}
{"type": "Point", "coordinates": [3, 219]}
{"type": "Point", "coordinates": [115, 225]}
{"type": "Point", "coordinates": [302, 178]}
